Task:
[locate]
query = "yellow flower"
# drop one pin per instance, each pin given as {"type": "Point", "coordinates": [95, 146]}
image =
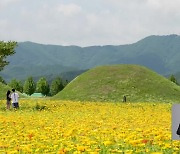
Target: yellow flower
{"type": "Point", "coordinates": [82, 127]}
{"type": "Point", "coordinates": [106, 143]}
{"type": "Point", "coordinates": [81, 148]}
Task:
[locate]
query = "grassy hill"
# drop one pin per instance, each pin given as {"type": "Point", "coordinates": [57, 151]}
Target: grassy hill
{"type": "Point", "coordinates": [3, 89]}
{"type": "Point", "coordinates": [111, 83]}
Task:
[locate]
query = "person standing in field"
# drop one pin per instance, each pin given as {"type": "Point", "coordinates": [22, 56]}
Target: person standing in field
{"type": "Point", "coordinates": [15, 97]}
{"type": "Point", "coordinates": [8, 99]}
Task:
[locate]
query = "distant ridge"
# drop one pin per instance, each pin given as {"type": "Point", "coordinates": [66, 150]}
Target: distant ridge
{"type": "Point", "coordinates": [159, 53]}
{"type": "Point", "coordinates": [146, 38]}
{"type": "Point", "coordinates": [111, 83]}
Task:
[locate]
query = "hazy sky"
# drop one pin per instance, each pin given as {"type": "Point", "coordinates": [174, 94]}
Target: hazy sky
{"type": "Point", "coordinates": [87, 22]}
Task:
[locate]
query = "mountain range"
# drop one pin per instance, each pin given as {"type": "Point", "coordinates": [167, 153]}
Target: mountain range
{"type": "Point", "coordinates": [159, 53]}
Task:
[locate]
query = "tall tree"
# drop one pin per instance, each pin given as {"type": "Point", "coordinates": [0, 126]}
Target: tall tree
{"type": "Point", "coordinates": [6, 49]}
{"type": "Point", "coordinates": [56, 86]}
{"type": "Point", "coordinates": [42, 86]}
{"type": "Point", "coordinates": [29, 86]}
{"type": "Point", "coordinates": [16, 84]}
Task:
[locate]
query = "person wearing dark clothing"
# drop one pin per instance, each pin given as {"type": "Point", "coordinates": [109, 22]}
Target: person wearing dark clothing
{"type": "Point", "coordinates": [8, 99]}
{"type": "Point", "coordinates": [124, 98]}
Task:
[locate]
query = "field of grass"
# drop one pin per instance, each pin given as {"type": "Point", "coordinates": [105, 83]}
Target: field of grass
{"type": "Point", "coordinates": [45, 126]}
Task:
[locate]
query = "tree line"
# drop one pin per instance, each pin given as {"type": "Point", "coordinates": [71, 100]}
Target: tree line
{"type": "Point", "coordinates": [41, 86]}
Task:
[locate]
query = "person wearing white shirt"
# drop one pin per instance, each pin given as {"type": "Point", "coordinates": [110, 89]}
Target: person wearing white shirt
{"type": "Point", "coordinates": [14, 98]}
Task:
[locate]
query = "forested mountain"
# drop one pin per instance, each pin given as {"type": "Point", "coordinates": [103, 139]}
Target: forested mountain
{"type": "Point", "coordinates": [160, 53]}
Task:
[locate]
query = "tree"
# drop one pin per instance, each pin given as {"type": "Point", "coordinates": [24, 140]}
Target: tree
{"type": "Point", "coordinates": [16, 84]}
{"type": "Point", "coordinates": [173, 79]}
{"type": "Point", "coordinates": [6, 49]}
{"type": "Point", "coordinates": [2, 80]}
{"type": "Point", "coordinates": [42, 86]}
{"type": "Point", "coordinates": [56, 86]}
{"type": "Point", "coordinates": [29, 86]}
{"type": "Point", "coordinates": [65, 83]}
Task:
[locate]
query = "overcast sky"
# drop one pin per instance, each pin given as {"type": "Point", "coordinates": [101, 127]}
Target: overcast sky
{"type": "Point", "coordinates": [87, 22]}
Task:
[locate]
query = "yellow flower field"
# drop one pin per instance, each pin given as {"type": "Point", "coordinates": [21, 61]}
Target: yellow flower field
{"type": "Point", "coordinates": [44, 126]}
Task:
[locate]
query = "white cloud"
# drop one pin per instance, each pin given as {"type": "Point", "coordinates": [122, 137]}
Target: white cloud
{"type": "Point", "coordinates": [83, 22]}
{"type": "Point", "coordinates": [154, 3]}
{"type": "Point", "coordinates": [168, 4]}
{"type": "Point", "coordinates": [69, 9]}
{"type": "Point", "coordinates": [5, 3]}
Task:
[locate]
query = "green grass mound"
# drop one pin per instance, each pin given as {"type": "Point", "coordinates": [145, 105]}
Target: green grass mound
{"type": "Point", "coordinates": [3, 90]}
{"type": "Point", "coordinates": [111, 83]}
